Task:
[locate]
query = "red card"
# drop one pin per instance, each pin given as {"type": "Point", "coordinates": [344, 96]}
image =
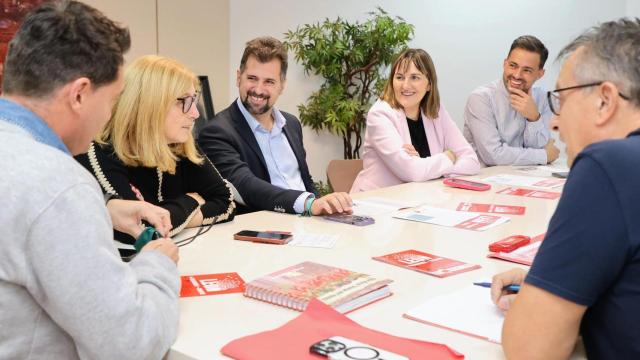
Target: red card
{"type": "Point", "coordinates": [550, 183]}
{"type": "Point", "coordinates": [530, 193]}
{"type": "Point", "coordinates": [211, 284]}
{"type": "Point", "coordinates": [491, 208]}
{"type": "Point", "coordinates": [427, 263]}
{"type": "Point", "coordinates": [478, 222]}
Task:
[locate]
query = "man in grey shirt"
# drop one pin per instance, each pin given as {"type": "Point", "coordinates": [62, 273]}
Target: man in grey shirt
{"type": "Point", "coordinates": [64, 292]}
{"type": "Point", "coordinates": [507, 121]}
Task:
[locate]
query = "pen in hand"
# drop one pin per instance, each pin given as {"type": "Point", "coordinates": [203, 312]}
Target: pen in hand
{"type": "Point", "coordinates": [514, 288]}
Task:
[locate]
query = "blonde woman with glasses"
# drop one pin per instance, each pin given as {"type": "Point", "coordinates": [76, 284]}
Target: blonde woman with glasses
{"type": "Point", "coordinates": [147, 150]}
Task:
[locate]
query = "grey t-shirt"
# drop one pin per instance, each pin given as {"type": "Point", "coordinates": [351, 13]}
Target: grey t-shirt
{"type": "Point", "coordinates": [64, 292]}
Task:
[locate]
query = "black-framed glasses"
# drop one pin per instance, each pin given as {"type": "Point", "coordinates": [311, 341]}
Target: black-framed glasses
{"type": "Point", "coordinates": [188, 101]}
{"type": "Point", "coordinates": [553, 96]}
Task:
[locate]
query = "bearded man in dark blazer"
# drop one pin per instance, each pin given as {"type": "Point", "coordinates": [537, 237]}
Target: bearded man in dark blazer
{"type": "Point", "coordinates": [259, 148]}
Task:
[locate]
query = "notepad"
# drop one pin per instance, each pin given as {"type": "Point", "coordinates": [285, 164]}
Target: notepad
{"type": "Point", "coordinates": [530, 181]}
{"type": "Point", "coordinates": [469, 311]}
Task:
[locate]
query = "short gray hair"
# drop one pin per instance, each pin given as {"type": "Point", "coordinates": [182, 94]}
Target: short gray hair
{"type": "Point", "coordinates": [611, 53]}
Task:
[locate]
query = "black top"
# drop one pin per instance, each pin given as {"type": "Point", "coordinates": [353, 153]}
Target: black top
{"type": "Point", "coordinates": [591, 253]}
{"type": "Point", "coordinates": [419, 137]}
{"type": "Point", "coordinates": [230, 143]}
{"type": "Point", "coordinates": [163, 189]}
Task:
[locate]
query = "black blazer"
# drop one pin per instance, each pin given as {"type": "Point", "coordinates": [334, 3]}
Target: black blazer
{"type": "Point", "coordinates": [229, 142]}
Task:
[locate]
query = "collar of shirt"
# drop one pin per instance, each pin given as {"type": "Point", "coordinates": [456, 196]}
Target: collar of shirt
{"type": "Point", "coordinates": [26, 119]}
{"type": "Point", "coordinates": [279, 120]}
{"type": "Point", "coordinates": [634, 133]}
{"type": "Point", "coordinates": [502, 88]}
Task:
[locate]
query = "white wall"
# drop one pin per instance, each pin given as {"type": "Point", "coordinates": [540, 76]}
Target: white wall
{"type": "Point", "coordinates": [633, 8]}
{"type": "Point", "coordinates": [468, 39]}
{"type": "Point", "coordinates": [195, 32]}
{"type": "Point", "coordinates": [139, 16]}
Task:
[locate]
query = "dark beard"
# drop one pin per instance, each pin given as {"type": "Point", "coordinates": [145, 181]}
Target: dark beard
{"type": "Point", "coordinates": [251, 109]}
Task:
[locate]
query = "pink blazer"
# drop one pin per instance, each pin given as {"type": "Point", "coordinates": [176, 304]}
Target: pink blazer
{"type": "Point", "coordinates": [386, 163]}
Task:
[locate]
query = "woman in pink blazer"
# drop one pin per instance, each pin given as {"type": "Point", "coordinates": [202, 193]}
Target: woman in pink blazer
{"type": "Point", "coordinates": [410, 136]}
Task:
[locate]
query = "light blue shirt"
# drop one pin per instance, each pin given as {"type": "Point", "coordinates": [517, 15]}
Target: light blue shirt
{"type": "Point", "coordinates": [18, 115]}
{"type": "Point", "coordinates": [499, 134]}
{"type": "Point", "coordinates": [282, 163]}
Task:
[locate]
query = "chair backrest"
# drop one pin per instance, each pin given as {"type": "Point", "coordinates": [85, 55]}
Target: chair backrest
{"type": "Point", "coordinates": [342, 173]}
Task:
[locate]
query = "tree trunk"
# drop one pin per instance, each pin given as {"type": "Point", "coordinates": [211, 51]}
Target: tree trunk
{"type": "Point", "coordinates": [346, 140]}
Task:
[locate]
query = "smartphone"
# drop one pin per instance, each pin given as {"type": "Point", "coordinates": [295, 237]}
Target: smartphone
{"type": "Point", "coordinates": [269, 237]}
{"type": "Point", "coordinates": [466, 184]}
{"type": "Point", "coordinates": [357, 220]}
{"type": "Point", "coordinates": [560, 174]}
{"type": "Point", "coordinates": [341, 348]}
{"type": "Point", "coordinates": [510, 243]}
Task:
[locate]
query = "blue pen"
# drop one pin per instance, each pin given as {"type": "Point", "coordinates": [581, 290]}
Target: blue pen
{"type": "Point", "coordinates": [512, 288]}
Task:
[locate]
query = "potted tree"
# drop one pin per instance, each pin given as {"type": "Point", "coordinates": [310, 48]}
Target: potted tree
{"type": "Point", "coordinates": [351, 57]}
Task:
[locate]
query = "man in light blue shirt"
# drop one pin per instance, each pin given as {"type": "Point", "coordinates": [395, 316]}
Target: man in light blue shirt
{"type": "Point", "coordinates": [507, 120]}
{"type": "Point", "coordinates": [259, 148]}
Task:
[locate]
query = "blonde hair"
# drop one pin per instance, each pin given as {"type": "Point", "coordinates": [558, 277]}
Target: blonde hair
{"type": "Point", "coordinates": [136, 129]}
{"type": "Point", "coordinates": [430, 103]}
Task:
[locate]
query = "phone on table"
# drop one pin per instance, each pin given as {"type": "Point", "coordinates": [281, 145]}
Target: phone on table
{"type": "Point", "coordinates": [357, 220]}
{"type": "Point", "coordinates": [560, 174]}
{"type": "Point", "coordinates": [466, 184]}
{"type": "Point", "coordinates": [269, 237]}
{"type": "Point", "coordinates": [341, 348]}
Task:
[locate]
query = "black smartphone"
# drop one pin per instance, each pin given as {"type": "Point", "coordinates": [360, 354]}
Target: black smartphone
{"type": "Point", "coordinates": [560, 174]}
{"type": "Point", "coordinates": [270, 237]}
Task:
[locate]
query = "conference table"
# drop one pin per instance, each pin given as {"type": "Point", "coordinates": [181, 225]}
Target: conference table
{"type": "Point", "coordinates": [207, 323]}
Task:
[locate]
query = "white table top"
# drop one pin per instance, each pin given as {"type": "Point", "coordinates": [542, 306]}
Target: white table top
{"type": "Point", "coordinates": [207, 323]}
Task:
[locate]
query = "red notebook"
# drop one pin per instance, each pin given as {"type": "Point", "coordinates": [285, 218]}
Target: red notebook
{"type": "Point", "coordinates": [292, 340]}
{"type": "Point", "coordinates": [296, 285]}
{"type": "Point", "coordinates": [427, 263]}
{"type": "Point", "coordinates": [523, 255]}
{"type": "Point", "coordinates": [211, 284]}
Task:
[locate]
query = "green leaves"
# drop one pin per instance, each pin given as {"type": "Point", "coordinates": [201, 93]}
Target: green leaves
{"type": "Point", "coordinates": [351, 58]}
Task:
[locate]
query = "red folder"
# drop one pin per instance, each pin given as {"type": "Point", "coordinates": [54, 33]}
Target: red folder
{"type": "Point", "coordinates": [318, 322]}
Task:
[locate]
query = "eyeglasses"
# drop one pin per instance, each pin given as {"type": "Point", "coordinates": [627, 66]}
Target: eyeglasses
{"type": "Point", "coordinates": [554, 98]}
{"type": "Point", "coordinates": [188, 101]}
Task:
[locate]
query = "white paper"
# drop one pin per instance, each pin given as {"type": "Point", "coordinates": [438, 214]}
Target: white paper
{"type": "Point", "coordinates": [542, 170]}
{"type": "Point", "coordinates": [451, 218]}
{"type": "Point", "coordinates": [468, 310]}
{"type": "Point", "coordinates": [376, 206]}
{"type": "Point", "coordinates": [314, 240]}
{"type": "Point", "coordinates": [529, 181]}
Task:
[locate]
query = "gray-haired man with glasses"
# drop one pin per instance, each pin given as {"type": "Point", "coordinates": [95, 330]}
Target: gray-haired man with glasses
{"type": "Point", "coordinates": [585, 278]}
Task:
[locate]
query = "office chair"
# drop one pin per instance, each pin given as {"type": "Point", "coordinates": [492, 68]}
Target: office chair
{"type": "Point", "coordinates": [342, 173]}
